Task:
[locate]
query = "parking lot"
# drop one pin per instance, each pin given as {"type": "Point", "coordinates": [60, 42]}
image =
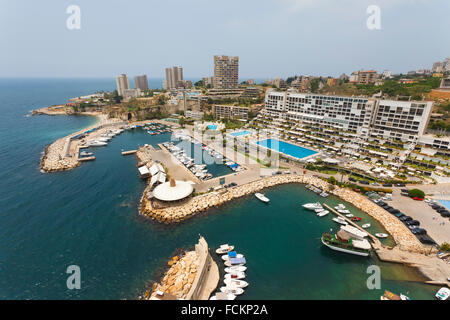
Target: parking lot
{"type": "Point", "coordinates": [438, 227]}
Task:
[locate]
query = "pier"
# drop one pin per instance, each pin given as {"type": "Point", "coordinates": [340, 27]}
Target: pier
{"type": "Point", "coordinates": [126, 153]}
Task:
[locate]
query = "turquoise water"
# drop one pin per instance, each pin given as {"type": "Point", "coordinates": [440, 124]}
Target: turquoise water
{"type": "Point", "coordinates": [445, 203]}
{"type": "Point", "coordinates": [286, 148]}
{"type": "Point", "coordinates": [240, 133]}
{"type": "Point", "coordinates": [212, 126]}
{"type": "Point", "coordinates": [89, 217]}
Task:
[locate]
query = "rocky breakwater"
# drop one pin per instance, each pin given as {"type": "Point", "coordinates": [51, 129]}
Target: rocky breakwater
{"type": "Point", "coordinates": [178, 280]}
{"type": "Point", "coordinates": [55, 159]}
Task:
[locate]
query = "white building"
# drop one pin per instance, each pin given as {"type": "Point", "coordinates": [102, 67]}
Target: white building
{"type": "Point", "coordinates": [122, 83]}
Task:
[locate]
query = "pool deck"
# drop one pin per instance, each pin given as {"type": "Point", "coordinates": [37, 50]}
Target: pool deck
{"type": "Point", "coordinates": [317, 152]}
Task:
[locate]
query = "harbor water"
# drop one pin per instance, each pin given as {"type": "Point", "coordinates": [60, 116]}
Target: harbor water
{"type": "Point", "coordinates": [89, 217]}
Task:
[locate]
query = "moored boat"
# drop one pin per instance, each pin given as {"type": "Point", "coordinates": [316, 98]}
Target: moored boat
{"type": "Point", "coordinates": [340, 220]}
{"type": "Point", "coordinates": [443, 294]}
{"type": "Point", "coordinates": [224, 248]}
{"type": "Point", "coordinates": [237, 283]}
{"type": "Point", "coordinates": [237, 276]}
{"type": "Point", "coordinates": [232, 289]}
{"type": "Point", "coordinates": [381, 235]}
{"type": "Point", "coordinates": [343, 242]}
{"type": "Point", "coordinates": [262, 197]}
{"type": "Point", "coordinates": [312, 206]}
{"type": "Point", "coordinates": [322, 213]}
{"type": "Point", "coordinates": [235, 269]}
{"type": "Point", "coordinates": [366, 225]}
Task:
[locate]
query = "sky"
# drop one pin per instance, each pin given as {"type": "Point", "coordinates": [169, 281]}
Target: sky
{"type": "Point", "coordinates": [273, 38]}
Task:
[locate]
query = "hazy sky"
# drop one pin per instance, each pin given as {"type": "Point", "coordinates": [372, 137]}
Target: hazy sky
{"type": "Point", "coordinates": [271, 37]}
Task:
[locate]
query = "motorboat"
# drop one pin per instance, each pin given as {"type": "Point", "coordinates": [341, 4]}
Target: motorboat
{"type": "Point", "coordinates": [349, 215]}
{"type": "Point", "coordinates": [443, 294]}
{"type": "Point", "coordinates": [343, 211]}
{"type": "Point", "coordinates": [86, 154]}
{"type": "Point", "coordinates": [343, 242]}
{"type": "Point", "coordinates": [323, 213]}
{"type": "Point", "coordinates": [340, 206]}
{"type": "Point", "coordinates": [324, 194]}
{"type": "Point", "coordinates": [262, 197]}
{"type": "Point", "coordinates": [340, 220]}
{"type": "Point", "coordinates": [223, 296]}
{"type": "Point", "coordinates": [381, 235]}
{"type": "Point", "coordinates": [235, 269]}
{"type": "Point", "coordinates": [354, 232]}
{"type": "Point", "coordinates": [224, 248]}
{"type": "Point", "coordinates": [355, 218]}
{"type": "Point", "coordinates": [96, 143]}
{"type": "Point", "coordinates": [312, 206]}
{"type": "Point", "coordinates": [237, 275]}
{"type": "Point", "coordinates": [228, 264]}
{"type": "Point", "coordinates": [227, 256]}
{"type": "Point", "coordinates": [232, 289]}
{"type": "Point", "coordinates": [366, 225]}
{"type": "Point", "coordinates": [237, 283]}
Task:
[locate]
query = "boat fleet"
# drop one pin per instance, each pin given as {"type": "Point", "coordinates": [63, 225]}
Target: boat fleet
{"type": "Point", "coordinates": [234, 274]}
{"type": "Point", "coordinates": [319, 191]}
{"type": "Point", "coordinates": [154, 128]}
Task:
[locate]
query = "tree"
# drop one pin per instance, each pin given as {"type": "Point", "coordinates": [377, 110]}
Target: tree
{"type": "Point", "coordinates": [413, 193]}
{"type": "Point", "coordinates": [445, 246]}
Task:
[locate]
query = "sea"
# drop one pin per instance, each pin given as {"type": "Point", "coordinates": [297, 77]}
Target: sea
{"type": "Point", "coordinates": [88, 217]}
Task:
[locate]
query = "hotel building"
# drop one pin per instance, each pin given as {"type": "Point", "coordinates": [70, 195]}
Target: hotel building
{"type": "Point", "coordinates": [230, 112]}
{"type": "Point", "coordinates": [365, 117]}
{"type": "Point", "coordinates": [226, 72]}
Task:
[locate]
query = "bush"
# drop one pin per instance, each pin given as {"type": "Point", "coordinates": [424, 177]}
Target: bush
{"type": "Point", "coordinates": [445, 246]}
{"type": "Point", "coordinates": [416, 193]}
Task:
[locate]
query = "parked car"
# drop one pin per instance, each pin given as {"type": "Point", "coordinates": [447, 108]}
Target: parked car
{"type": "Point", "coordinates": [419, 231]}
{"type": "Point", "coordinates": [351, 179]}
{"type": "Point", "coordinates": [445, 214]}
{"type": "Point", "coordinates": [364, 182]}
{"type": "Point", "coordinates": [405, 218]}
{"type": "Point", "coordinates": [413, 223]}
{"type": "Point", "coordinates": [399, 215]}
{"type": "Point", "coordinates": [426, 240]}
{"type": "Point", "coordinates": [387, 185]}
{"type": "Point", "coordinates": [404, 190]}
{"type": "Point", "coordinates": [400, 185]}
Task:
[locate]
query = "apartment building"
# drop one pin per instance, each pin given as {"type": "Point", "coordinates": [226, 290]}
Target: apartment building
{"type": "Point", "coordinates": [122, 83]}
{"type": "Point", "coordinates": [226, 72]}
{"type": "Point", "coordinates": [141, 82]}
{"type": "Point", "coordinates": [386, 119]}
{"type": "Point", "coordinates": [196, 115]}
{"type": "Point", "coordinates": [364, 77]}
{"type": "Point", "coordinates": [173, 76]}
{"type": "Point", "coordinates": [230, 112]}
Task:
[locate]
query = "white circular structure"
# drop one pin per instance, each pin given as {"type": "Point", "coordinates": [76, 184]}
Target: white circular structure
{"type": "Point", "coordinates": [173, 190]}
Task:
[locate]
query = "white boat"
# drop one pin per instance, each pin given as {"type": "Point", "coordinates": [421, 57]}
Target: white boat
{"type": "Point", "coordinates": [381, 235]}
{"type": "Point", "coordinates": [237, 283]}
{"type": "Point", "coordinates": [96, 143]}
{"type": "Point", "coordinates": [354, 232]}
{"type": "Point", "coordinates": [443, 293]}
{"type": "Point", "coordinates": [324, 194]}
{"type": "Point", "coordinates": [312, 206]}
{"type": "Point", "coordinates": [232, 289]}
{"type": "Point", "coordinates": [366, 225]}
{"type": "Point", "coordinates": [262, 197]}
{"type": "Point", "coordinates": [343, 211]}
{"type": "Point", "coordinates": [228, 264]}
{"type": "Point", "coordinates": [235, 269]}
{"type": "Point", "coordinates": [226, 257]}
{"type": "Point", "coordinates": [356, 247]}
{"type": "Point", "coordinates": [224, 248]}
{"type": "Point", "coordinates": [235, 276]}
{"type": "Point", "coordinates": [340, 206]}
{"type": "Point", "coordinates": [323, 213]}
{"type": "Point", "coordinates": [86, 154]}
{"type": "Point", "coordinates": [319, 210]}
{"type": "Point", "coordinates": [223, 296]}
{"type": "Point", "coordinates": [340, 220]}
{"type": "Point", "coordinates": [349, 215]}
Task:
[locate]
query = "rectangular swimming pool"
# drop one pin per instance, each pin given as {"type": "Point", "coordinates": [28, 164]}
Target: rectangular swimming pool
{"type": "Point", "coordinates": [286, 148]}
{"type": "Point", "coordinates": [240, 133]}
{"type": "Point", "coordinates": [212, 127]}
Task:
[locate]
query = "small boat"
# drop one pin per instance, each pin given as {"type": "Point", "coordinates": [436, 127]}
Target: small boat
{"type": "Point", "coordinates": [349, 215]}
{"type": "Point", "coordinates": [340, 220]}
{"type": "Point", "coordinates": [262, 197]}
{"type": "Point", "coordinates": [232, 289]}
{"type": "Point", "coordinates": [235, 276]}
{"type": "Point", "coordinates": [355, 218]}
{"type": "Point", "coordinates": [340, 206]}
{"type": "Point", "coordinates": [381, 235]}
{"type": "Point", "coordinates": [224, 248]}
{"type": "Point", "coordinates": [319, 210]}
{"type": "Point", "coordinates": [443, 293]}
{"type": "Point", "coordinates": [223, 296]}
{"type": "Point", "coordinates": [235, 269]}
{"type": "Point", "coordinates": [228, 264]}
{"type": "Point", "coordinates": [392, 296]}
{"type": "Point", "coordinates": [343, 211]}
{"type": "Point", "coordinates": [96, 143]}
{"type": "Point", "coordinates": [312, 206]}
{"type": "Point", "coordinates": [227, 256]}
{"type": "Point", "coordinates": [237, 283]}
{"type": "Point", "coordinates": [322, 213]}
{"type": "Point", "coordinates": [86, 154]}
{"type": "Point", "coordinates": [324, 194]}
{"type": "Point", "coordinates": [366, 225]}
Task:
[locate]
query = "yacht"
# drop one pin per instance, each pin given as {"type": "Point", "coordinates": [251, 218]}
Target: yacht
{"type": "Point", "coordinates": [340, 220]}
{"type": "Point", "coordinates": [312, 206]}
{"type": "Point", "coordinates": [262, 197]}
{"type": "Point", "coordinates": [96, 143]}
{"type": "Point", "coordinates": [322, 213]}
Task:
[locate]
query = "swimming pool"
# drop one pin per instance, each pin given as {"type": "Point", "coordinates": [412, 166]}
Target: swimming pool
{"type": "Point", "coordinates": [240, 133]}
{"type": "Point", "coordinates": [286, 148]}
{"type": "Point", "coordinates": [212, 127]}
{"type": "Point", "coordinates": [445, 203]}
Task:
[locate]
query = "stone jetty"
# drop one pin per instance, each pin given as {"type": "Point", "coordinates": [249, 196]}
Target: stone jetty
{"type": "Point", "coordinates": [56, 159]}
{"type": "Point", "coordinates": [179, 212]}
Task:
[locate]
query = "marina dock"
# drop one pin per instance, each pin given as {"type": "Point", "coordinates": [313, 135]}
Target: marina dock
{"type": "Point", "coordinates": [126, 153]}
